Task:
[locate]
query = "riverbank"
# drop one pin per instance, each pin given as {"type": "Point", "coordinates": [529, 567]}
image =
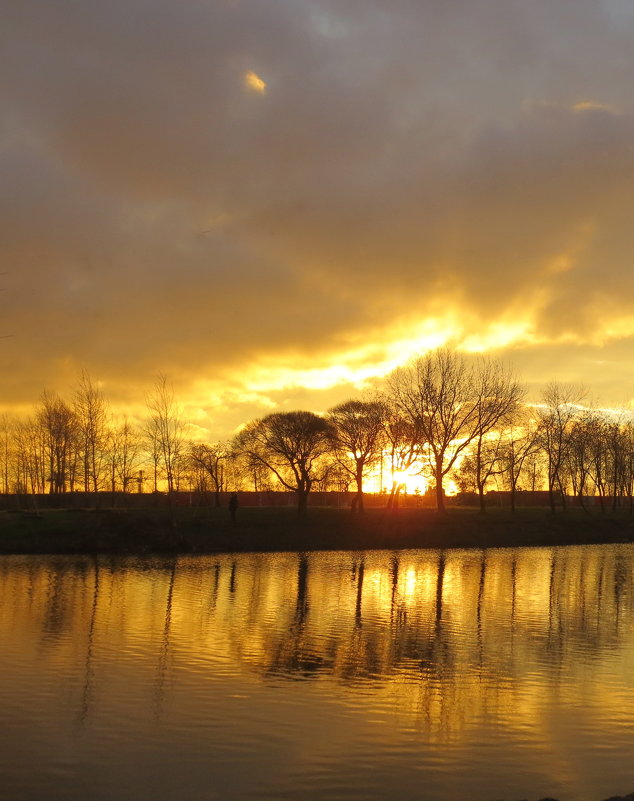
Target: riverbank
{"type": "Point", "coordinates": [210, 530]}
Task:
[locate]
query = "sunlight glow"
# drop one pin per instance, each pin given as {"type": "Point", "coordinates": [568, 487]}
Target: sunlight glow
{"type": "Point", "coordinates": [499, 335]}
{"type": "Point", "coordinates": [356, 365]}
{"type": "Point", "coordinates": [253, 82]}
{"type": "Point", "coordinates": [359, 365]}
{"type": "Point", "coordinates": [590, 105]}
{"type": "Point", "coordinates": [618, 328]}
{"type": "Point", "coordinates": [412, 483]}
{"type": "Point", "coordinates": [276, 380]}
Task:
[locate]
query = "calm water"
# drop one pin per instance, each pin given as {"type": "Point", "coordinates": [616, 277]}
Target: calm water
{"type": "Point", "coordinates": [419, 674]}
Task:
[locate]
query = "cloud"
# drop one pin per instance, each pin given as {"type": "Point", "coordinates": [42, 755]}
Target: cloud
{"type": "Point", "coordinates": [410, 173]}
{"type": "Point", "coordinates": [253, 82]}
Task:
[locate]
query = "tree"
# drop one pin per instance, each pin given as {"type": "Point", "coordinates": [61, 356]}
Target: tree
{"type": "Point", "coordinates": [498, 397]}
{"type": "Point", "coordinates": [559, 409]}
{"type": "Point", "coordinates": [164, 430]}
{"type": "Point", "coordinates": [519, 447]}
{"type": "Point", "coordinates": [450, 402]}
{"type": "Point", "coordinates": [59, 426]}
{"type": "Point", "coordinates": [31, 460]}
{"type": "Point", "coordinates": [627, 475]}
{"type": "Point", "coordinates": [617, 446]}
{"type": "Point", "coordinates": [480, 465]}
{"type": "Point", "coordinates": [356, 429]}
{"type": "Point", "coordinates": [404, 442]}
{"type": "Point", "coordinates": [124, 455]}
{"type": "Point", "coordinates": [248, 472]}
{"type": "Point", "coordinates": [292, 446]}
{"type": "Point", "coordinates": [91, 415]}
{"type": "Point", "coordinates": [210, 460]}
{"type": "Point", "coordinates": [586, 433]}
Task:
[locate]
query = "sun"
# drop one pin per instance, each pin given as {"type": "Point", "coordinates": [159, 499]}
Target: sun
{"type": "Point", "coordinates": [410, 482]}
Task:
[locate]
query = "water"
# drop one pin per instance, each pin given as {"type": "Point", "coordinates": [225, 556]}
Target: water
{"type": "Point", "coordinates": [413, 675]}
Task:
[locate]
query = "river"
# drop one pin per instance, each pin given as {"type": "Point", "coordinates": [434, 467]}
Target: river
{"type": "Point", "coordinates": [436, 675]}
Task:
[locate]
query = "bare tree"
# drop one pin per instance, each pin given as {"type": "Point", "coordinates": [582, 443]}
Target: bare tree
{"type": "Point", "coordinates": [59, 426]}
{"type": "Point", "coordinates": [519, 447]}
{"type": "Point", "coordinates": [617, 445]}
{"type": "Point", "coordinates": [210, 460]}
{"type": "Point", "coordinates": [91, 415]}
{"type": "Point", "coordinates": [403, 443]}
{"type": "Point", "coordinates": [6, 460]}
{"type": "Point", "coordinates": [164, 430]}
{"type": "Point", "coordinates": [292, 446]}
{"type": "Point", "coordinates": [124, 456]}
{"type": "Point", "coordinates": [446, 400]}
{"type": "Point", "coordinates": [31, 460]}
{"type": "Point", "coordinates": [246, 471]}
{"type": "Point", "coordinates": [586, 433]}
{"type": "Point", "coordinates": [557, 413]}
{"type": "Point", "coordinates": [627, 476]}
{"type": "Point", "coordinates": [482, 464]}
{"type": "Point", "coordinates": [357, 439]}
{"type": "Point", "coordinates": [498, 398]}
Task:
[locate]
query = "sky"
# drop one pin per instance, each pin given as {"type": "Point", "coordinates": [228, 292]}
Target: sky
{"type": "Point", "coordinates": [275, 202]}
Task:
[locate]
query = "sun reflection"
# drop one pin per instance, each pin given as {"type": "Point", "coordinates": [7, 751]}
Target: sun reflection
{"type": "Point", "coordinates": [411, 623]}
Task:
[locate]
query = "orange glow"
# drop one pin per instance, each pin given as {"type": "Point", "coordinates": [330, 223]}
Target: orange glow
{"type": "Point", "coordinates": [254, 83]}
{"type": "Point", "coordinates": [412, 483]}
{"type": "Point", "coordinates": [590, 105]}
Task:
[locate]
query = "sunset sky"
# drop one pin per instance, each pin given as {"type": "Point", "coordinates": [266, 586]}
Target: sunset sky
{"type": "Point", "coordinates": [275, 202]}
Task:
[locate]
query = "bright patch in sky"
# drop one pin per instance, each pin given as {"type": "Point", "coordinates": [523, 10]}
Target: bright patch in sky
{"type": "Point", "coordinates": [590, 105]}
{"type": "Point", "coordinates": [289, 254]}
{"type": "Point", "coordinates": [253, 82]}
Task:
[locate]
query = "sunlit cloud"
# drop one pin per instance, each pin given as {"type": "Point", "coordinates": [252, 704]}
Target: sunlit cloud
{"type": "Point", "coordinates": [590, 105]}
{"type": "Point", "coordinates": [354, 366]}
{"type": "Point", "coordinates": [498, 336]}
{"type": "Point", "coordinates": [254, 83]}
{"type": "Point", "coordinates": [616, 328]}
{"type": "Point", "coordinates": [294, 251]}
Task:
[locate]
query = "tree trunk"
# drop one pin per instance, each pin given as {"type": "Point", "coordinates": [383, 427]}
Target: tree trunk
{"type": "Point", "coordinates": [390, 500]}
{"type": "Point", "coordinates": [551, 496]}
{"type": "Point", "coordinates": [302, 503]}
{"type": "Point", "coordinates": [440, 495]}
{"type": "Point", "coordinates": [359, 480]}
{"type": "Point", "coordinates": [481, 498]}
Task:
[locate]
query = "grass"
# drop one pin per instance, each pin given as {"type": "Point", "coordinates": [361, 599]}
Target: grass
{"type": "Point", "coordinates": [210, 530]}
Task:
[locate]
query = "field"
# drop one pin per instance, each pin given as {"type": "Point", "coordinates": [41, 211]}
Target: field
{"type": "Point", "coordinates": [211, 530]}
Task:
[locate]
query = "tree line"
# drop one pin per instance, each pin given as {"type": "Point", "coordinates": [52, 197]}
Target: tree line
{"type": "Point", "coordinates": [443, 416]}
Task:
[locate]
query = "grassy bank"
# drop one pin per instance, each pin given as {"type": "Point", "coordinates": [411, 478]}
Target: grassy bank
{"type": "Point", "coordinates": [206, 530]}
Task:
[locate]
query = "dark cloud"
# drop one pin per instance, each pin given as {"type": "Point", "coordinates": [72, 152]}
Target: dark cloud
{"type": "Point", "coordinates": [405, 160]}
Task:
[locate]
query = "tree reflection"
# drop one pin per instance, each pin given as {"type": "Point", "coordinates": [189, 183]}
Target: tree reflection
{"type": "Point", "coordinates": [291, 653]}
{"type": "Point", "coordinates": [360, 573]}
{"type": "Point", "coordinates": [454, 633]}
{"type": "Point", "coordinates": [503, 613]}
{"type": "Point", "coordinates": [164, 651]}
{"type": "Point", "coordinates": [301, 604]}
{"type": "Point", "coordinates": [87, 689]}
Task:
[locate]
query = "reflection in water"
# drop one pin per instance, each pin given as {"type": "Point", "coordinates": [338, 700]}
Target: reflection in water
{"type": "Point", "coordinates": [301, 605]}
{"type": "Point", "coordinates": [435, 609]}
{"type": "Point", "coordinates": [84, 703]}
{"type": "Point", "coordinates": [163, 658]}
{"type": "Point", "coordinates": [506, 649]}
{"type": "Point", "coordinates": [360, 573]}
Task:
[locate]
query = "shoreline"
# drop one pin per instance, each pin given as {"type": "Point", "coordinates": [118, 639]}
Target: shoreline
{"type": "Point", "coordinates": [210, 530]}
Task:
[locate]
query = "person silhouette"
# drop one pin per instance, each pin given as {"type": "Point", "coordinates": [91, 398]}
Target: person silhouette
{"type": "Point", "coordinates": [233, 506]}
